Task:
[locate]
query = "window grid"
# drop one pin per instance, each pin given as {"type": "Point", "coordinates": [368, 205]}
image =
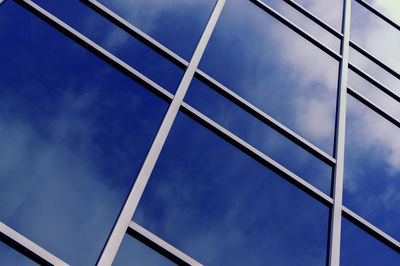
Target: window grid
{"type": "Point", "coordinates": [30, 249]}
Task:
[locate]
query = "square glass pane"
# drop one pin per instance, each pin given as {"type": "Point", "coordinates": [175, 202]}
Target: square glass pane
{"type": "Point", "coordinates": [73, 135]}
{"type": "Point", "coordinates": [375, 35]}
{"type": "Point", "coordinates": [372, 168]}
{"type": "Point", "coordinates": [134, 252]}
{"type": "Point", "coordinates": [221, 207]}
{"type": "Point", "coordinates": [259, 135]}
{"type": "Point", "coordinates": [360, 248]}
{"type": "Point", "coordinates": [268, 64]}
{"type": "Point", "coordinates": [306, 24]}
{"type": "Point", "coordinates": [116, 41]}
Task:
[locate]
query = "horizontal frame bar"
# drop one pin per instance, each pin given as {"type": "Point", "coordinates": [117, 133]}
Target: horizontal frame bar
{"type": "Point", "coordinates": [371, 229]}
{"type": "Point", "coordinates": [314, 18]}
{"type": "Point", "coordinates": [357, 95]}
{"type": "Point", "coordinates": [159, 245]}
{"type": "Point", "coordinates": [374, 82]}
{"type": "Point", "coordinates": [296, 29]}
{"type": "Point", "coordinates": [218, 87]}
{"type": "Point", "coordinates": [374, 59]}
{"type": "Point", "coordinates": [27, 248]}
{"type": "Point", "coordinates": [379, 14]}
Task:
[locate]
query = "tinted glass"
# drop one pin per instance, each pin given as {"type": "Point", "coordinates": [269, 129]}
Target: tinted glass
{"type": "Point", "coordinates": [116, 41]}
{"type": "Point", "coordinates": [371, 175]}
{"type": "Point", "coordinates": [73, 134]}
{"type": "Point", "coordinates": [259, 135]}
{"type": "Point", "coordinates": [268, 64]}
{"type": "Point", "coordinates": [360, 248]}
{"type": "Point", "coordinates": [221, 207]}
{"type": "Point", "coordinates": [11, 257]}
{"type": "Point", "coordinates": [134, 252]}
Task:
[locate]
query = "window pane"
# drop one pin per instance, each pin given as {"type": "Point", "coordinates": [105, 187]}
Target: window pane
{"type": "Point", "coordinates": [11, 257]}
{"type": "Point", "coordinates": [268, 64]}
{"type": "Point", "coordinates": [306, 24]}
{"type": "Point", "coordinates": [371, 175]}
{"type": "Point", "coordinates": [176, 24]}
{"type": "Point", "coordinates": [73, 135]}
{"type": "Point", "coordinates": [221, 207]}
{"type": "Point", "coordinates": [375, 35]}
{"type": "Point", "coordinates": [360, 248]}
{"type": "Point", "coordinates": [389, 8]}
{"type": "Point", "coordinates": [116, 41]}
{"type": "Point", "coordinates": [134, 252]}
{"type": "Point", "coordinates": [258, 134]}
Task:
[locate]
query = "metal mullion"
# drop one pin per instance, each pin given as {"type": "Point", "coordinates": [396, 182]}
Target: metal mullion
{"type": "Point", "coordinates": [256, 154]}
{"type": "Point", "coordinates": [159, 245]}
{"type": "Point", "coordinates": [236, 99]}
{"type": "Point", "coordinates": [374, 82]}
{"type": "Point", "coordinates": [374, 59]}
{"type": "Point", "coordinates": [136, 192]}
{"type": "Point", "coordinates": [339, 146]}
{"type": "Point", "coordinates": [26, 247]}
{"type": "Point", "coordinates": [371, 229]}
{"type": "Point", "coordinates": [379, 14]}
{"type": "Point", "coordinates": [296, 29]}
{"type": "Point", "coordinates": [314, 18]}
{"type": "Point", "coordinates": [265, 118]}
{"type": "Point", "coordinates": [357, 95]}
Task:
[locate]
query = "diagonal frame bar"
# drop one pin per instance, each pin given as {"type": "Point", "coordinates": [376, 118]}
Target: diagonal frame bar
{"type": "Point", "coordinates": [126, 214]}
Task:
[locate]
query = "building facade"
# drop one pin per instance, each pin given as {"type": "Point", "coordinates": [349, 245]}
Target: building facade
{"type": "Point", "coordinates": [200, 132]}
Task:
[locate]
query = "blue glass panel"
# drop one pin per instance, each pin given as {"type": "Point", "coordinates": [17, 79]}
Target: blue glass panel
{"type": "Point", "coordinates": [73, 134]}
{"type": "Point", "coordinates": [176, 24]}
{"type": "Point", "coordinates": [11, 257]}
{"type": "Point", "coordinates": [259, 135]}
{"type": "Point", "coordinates": [221, 207]}
{"type": "Point", "coordinates": [371, 174]}
{"type": "Point", "coordinates": [360, 248]}
{"type": "Point", "coordinates": [116, 41]}
{"type": "Point", "coordinates": [134, 252]}
{"type": "Point", "coordinates": [270, 65]}
{"type": "Point", "coordinates": [306, 24]}
{"type": "Point", "coordinates": [375, 35]}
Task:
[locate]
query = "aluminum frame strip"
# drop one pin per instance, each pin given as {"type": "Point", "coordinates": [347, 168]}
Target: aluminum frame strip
{"type": "Point", "coordinates": [159, 245]}
{"type": "Point", "coordinates": [208, 80]}
{"type": "Point", "coordinates": [128, 210]}
{"type": "Point", "coordinates": [374, 59]}
{"type": "Point", "coordinates": [371, 229]}
{"type": "Point", "coordinates": [314, 18]}
{"type": "Point", "coordinates": [374, 82]}
{"type": "Point", "coordinates": [377, 13]}
{"type": "Point", "coordinates": [28, 248]}
{"type": "Point", "coordinates": [357, 95]}
{"type": "Point", "coordinates": [296, 29]}
{"type": "Point", "coordinates": [340, 134]}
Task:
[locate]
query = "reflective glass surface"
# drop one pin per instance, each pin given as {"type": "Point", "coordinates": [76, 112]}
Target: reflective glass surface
{"type": "Point", "coordinates": [305, 23]}
{"type": "Point", "coordinates": [177, 24]}
{"type": "Point", "coordinates": [11, 257]}
{"type": "Point", "coordinates": [389, 8]}
{"type": "Point", "coordinates": [360, 248]}
{"type": "Point", "coordinates": [73, 133]}
{"type": "Point", "coordinates": [116, 41]}
{"type": "Point", "coordinates": [371, 174]}
{"type": "Point", "coordinates": [134, 252]}
{"type": "Point", "coordinates": [375, 35]}
{"type": "Point", "coordinates": [258, 134]}
{"type": "Point", "coordinates": [221, 207]}
{"type": "Point", "coordinates": [268, 64]}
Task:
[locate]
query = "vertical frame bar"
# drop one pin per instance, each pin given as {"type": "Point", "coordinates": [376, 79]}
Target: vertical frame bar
{"type": "Point", "coordinates": [120, 227]}
{"type": "Point", "coordinates": [340, 132]}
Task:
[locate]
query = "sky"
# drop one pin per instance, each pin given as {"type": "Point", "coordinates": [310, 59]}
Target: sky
{"type": "Point", "coordinates": [74, 133]}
